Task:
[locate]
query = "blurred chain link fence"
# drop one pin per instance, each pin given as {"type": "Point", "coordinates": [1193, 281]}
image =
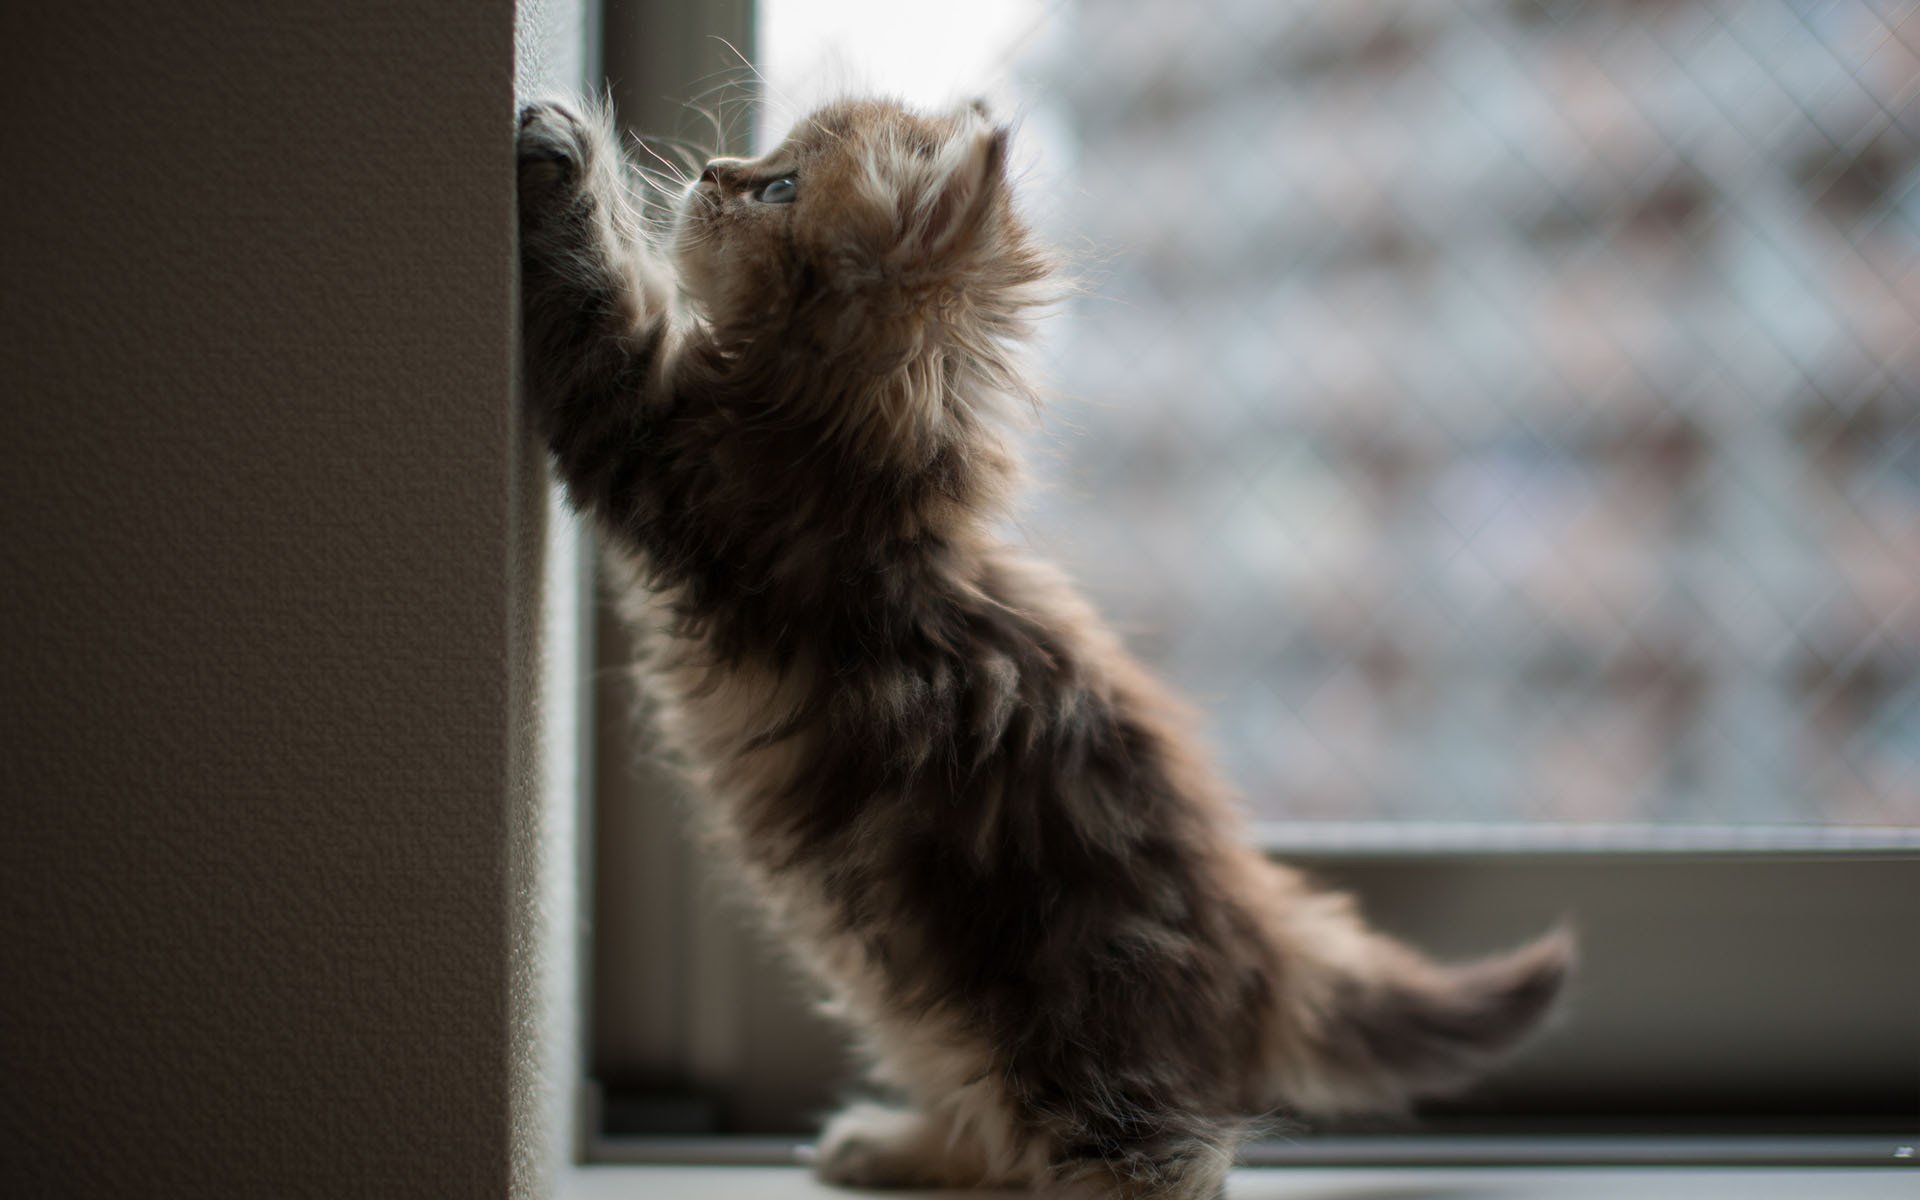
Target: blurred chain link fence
{"type": "Point", "coordinates": [1502, 411]}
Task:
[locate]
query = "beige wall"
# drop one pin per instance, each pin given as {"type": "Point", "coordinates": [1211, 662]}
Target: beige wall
{"type": "Point", "coordinates": [268, 554]}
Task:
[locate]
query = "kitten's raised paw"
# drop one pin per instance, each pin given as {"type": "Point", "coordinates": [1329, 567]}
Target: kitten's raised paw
{"type": "Point", "coordinates": [552, 148]}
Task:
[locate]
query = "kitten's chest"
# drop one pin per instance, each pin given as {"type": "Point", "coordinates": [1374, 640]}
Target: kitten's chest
{"type": "Point", "coordinates": [747, 735]}
{"type": "Point", "coordinates": [733, 728]}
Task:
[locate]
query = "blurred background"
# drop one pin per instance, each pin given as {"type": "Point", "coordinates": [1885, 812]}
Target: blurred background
{"type": "Point", "coordinates": [1502, 420]}
{"type": "Point", "coordinates": [1503, 413]}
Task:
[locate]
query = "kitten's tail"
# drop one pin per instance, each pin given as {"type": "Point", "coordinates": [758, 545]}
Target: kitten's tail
{"type": "Point", "coordinates": [1379, 1025]}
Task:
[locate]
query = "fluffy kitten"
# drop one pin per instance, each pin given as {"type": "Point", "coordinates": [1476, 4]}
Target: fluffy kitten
{"type": "Point", "coordinates": [978, 821]}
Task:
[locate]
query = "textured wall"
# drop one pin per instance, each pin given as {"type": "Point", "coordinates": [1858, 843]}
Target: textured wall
{"type": "Point", "coordinates": [264, 498]}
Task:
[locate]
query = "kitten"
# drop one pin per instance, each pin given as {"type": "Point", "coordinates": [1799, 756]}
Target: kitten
{"type": "Point", "coordinates": [977, 820]}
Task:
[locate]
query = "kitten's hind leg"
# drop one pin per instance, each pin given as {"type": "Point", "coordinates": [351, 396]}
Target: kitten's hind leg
{"type": "Point", "coordinates": [1185, 1169]}
{"type": "Point", "coordinates": [868, 1145]}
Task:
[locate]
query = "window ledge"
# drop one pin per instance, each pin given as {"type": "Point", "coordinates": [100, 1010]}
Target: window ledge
{"type": "Point", "coordinates": [1404, 1183]}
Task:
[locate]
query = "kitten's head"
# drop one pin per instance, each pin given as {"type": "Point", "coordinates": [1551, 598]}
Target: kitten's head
{"type": "Point", "coordinates": [872, 233]}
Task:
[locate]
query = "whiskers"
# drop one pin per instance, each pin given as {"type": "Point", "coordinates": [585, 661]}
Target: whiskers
{"type": "Point", "coordinates": [661, 188]}
{"type": "Point", "coordinates": [721, 111]}
{"type": "Point", "coordinates": [742, 94]}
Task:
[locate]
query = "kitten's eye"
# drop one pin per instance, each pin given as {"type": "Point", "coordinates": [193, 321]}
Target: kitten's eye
{"type": "Point", "coordinates": [780, 191]}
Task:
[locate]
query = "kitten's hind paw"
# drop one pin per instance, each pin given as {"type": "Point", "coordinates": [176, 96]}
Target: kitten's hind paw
{"type": "Point", "coordinates": [872, 1146]}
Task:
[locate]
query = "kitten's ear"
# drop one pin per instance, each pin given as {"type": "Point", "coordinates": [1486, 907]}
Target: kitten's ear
{"type": "Point", "coordinates": [949, 218]}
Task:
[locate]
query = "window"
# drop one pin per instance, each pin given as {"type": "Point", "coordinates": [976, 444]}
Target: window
{"type": "Point", "coordinates": [1517, 408]}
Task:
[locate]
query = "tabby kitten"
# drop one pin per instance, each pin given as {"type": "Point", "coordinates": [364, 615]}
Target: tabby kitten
{"type": "Point", "coordinates": [976, 819]}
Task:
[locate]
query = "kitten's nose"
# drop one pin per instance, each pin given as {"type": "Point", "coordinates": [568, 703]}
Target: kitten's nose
{"type": "Point", "coordinates": [719, 170]}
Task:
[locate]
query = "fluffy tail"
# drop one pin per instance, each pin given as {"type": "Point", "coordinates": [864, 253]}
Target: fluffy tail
{"type": "Point", "coordinates": [1380, 1026]}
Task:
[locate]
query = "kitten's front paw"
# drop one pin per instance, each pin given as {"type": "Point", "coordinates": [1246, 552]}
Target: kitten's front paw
{"type": "Point", "coordinates": [552, 150]}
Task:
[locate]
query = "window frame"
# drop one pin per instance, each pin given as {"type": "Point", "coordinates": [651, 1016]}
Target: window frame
{"type": "Point", "coordinates": [688, 1033]}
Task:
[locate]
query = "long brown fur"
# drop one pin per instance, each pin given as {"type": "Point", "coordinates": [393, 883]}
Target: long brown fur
{"type": "Point", "coordinates": [977, 820]}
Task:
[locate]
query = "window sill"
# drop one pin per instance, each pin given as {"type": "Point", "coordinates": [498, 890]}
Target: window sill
{"type": "Point", "coordinates": [1404, 1183]}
